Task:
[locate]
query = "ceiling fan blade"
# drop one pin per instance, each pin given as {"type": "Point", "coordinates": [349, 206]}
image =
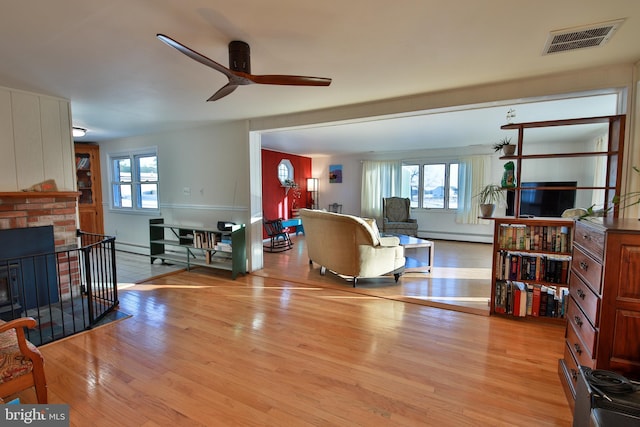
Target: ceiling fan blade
{"type": "Point", "coordinates": [223, 91]}
{"type": "Point", "coordinates": [239, 73]}
{"type": "Point", "coordinates": [195, 55]}
{"type": "Point", "coordinates": [275, 79]}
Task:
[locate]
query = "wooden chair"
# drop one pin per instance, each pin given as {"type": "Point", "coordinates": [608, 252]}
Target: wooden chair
{"type": "Point", "coordinates": [278, 238]}
{"type": "Point", "coordinates": [21, 364]}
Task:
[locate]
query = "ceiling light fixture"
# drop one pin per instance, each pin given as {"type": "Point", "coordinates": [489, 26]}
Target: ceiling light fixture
{"type": "Point", "coordinates": [78, 132]}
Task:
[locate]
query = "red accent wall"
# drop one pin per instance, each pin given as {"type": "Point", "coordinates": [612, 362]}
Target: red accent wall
{"type": "Point", "coordinates": [275, 204]}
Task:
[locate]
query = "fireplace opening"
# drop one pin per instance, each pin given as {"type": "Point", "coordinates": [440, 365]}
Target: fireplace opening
{"type": "Point", "coordinates": [10, 307]}
{"type": "Point", "coordinates": [28, 257]}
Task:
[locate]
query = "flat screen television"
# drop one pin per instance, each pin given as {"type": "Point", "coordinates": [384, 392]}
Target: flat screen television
{"type": "Point", "coordinates": [547, 202]}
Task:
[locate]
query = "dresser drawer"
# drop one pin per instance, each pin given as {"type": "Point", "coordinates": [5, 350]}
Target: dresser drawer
{"type": "Point", "coordinates": [588, 334]}
{"type": "Point", "coordinates": [588, 269]}
{"type": "Point", "coordinates": [585, 298]}
{"type": "Point", "coordinates": [592, 239]}
{"type": "Point", "coordinates": [571, 367]}
{"type": "Point", "coordinates": [578, 349]}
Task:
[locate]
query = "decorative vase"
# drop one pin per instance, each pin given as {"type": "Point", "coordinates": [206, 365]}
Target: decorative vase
{"type": "Point", "coordinates": [509, 149]}
{"type": "Point", "coordinates": [487, 210]}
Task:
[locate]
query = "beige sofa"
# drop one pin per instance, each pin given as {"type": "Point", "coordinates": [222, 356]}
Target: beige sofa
{"type": "Point", "coordinates": [350, 246]}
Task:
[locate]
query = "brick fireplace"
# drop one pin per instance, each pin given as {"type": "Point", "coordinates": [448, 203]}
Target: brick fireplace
{"type": "Point", "coordinates": [65, 280]}
{"type": "Point", "coordinates": [34, 209]}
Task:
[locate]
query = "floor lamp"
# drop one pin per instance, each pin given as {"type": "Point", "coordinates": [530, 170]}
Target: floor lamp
{"type": "Point", "coordinates": [312, 187]}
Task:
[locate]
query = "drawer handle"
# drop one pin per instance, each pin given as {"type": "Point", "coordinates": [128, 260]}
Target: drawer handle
{"type": "Point", "coordinates": [574, 374]}
{"type": "Point", "coordinates": [578, 349]}
{"type": "Point", "coordinates": [578, 320]}
{"type": "Point", "coordinates": [584, 266]}
{"type": "Point", "coordinates": [581, 293]}
{"type": "Point", "coordinates": [586, 237]}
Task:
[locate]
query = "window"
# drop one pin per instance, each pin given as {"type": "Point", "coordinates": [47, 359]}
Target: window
{"type": "Point", "coordinates": [134, 181]}
{"type": "Point", "coordinates": [431, 185]}
{"type": "Point", "coordinates": [285, 171]}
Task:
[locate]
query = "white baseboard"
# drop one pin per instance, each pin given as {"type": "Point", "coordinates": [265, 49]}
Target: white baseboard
{"type": "Point", "coordinates": [459, 237]}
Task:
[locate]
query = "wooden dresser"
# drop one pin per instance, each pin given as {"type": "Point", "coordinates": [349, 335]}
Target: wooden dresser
{"type": "Point", "coordinates": [603, 316]}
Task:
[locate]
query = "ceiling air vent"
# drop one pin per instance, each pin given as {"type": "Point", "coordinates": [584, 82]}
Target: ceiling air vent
{"type": "Point", "coordinates": [581, 37]}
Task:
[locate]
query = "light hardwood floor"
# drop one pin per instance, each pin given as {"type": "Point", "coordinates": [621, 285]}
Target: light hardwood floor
{"type": "Point", "coordinates": [201, 349]}
{"type": "Point", "coordinates": [459, 280]}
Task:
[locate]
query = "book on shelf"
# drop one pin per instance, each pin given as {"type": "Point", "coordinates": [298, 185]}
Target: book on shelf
{"type": "Point", "coordinates": [549, 238]}
{"type": "Point", "coordinates": [530, 266]}
{"type": "Point", "coordinates": [521, 299]}
{"type": "Point", "coordinates": [535, 303]}
{"type": "Point", "coordinates": [82, 162]}
{"type": "Point", "coordinates": [223, 246]}
{"type": "Point", "coordinates": [529, 299]}
{"type": "Point", "coordinates": [205, 239]}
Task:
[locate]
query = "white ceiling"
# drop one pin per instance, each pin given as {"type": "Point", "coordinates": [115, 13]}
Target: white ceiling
{"type": "Point", "coordinates": [104, 56]}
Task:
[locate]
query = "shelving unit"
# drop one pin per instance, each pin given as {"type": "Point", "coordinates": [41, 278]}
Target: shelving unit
{"type": "Point", "coordinates": [87, 159]}
{"type": "Point", "coordinates": [532, 259]}
{"type": "Point", "coordinates": [612, 154]}
{"type": "Point", "coordinates": [202, 247]}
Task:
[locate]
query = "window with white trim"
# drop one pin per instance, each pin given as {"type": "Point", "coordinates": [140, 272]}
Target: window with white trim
{"type": "Point", "coordinates": [431, 185]}
{"type": "Point", "coordinates": [134, 181]}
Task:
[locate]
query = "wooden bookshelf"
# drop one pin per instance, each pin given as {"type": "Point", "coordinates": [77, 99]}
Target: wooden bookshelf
{"type": "Point", "coordinates": [532, 260]}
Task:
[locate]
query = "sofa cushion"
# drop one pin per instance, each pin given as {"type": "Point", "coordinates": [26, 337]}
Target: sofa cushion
{"type": "Point", "coordinates": [375, 232]}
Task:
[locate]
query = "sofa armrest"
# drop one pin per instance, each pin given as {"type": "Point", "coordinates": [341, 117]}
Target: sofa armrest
{"type": "Point", "coordinates": [389, 241]}
{"type": "Point", "coordinates": [413, 220]}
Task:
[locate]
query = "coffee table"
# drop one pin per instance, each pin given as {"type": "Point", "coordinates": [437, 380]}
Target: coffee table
{"type": "Point", "coordinates": [418, 253]}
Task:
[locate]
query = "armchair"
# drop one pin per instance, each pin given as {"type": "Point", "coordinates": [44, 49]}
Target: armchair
{"type": "Point", "coordinates": [395, 216]}
{"type": "Point", "coordinates": [21, 364]}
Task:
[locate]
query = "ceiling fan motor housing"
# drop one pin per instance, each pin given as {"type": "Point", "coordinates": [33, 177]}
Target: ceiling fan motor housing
{"type": "Point", "coordinates": [239, 56]}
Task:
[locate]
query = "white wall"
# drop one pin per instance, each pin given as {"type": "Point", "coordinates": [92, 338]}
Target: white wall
{"type": "Point", "coordinates": [439, 224]}
{"type": "Point", "coordinates": [35, 141]}
{"type": "Point", "coordinates": [212, 162]}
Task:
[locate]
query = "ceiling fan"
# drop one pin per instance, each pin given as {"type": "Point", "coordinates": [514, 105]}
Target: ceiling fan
{"type": "Point", "coordinates": [239, 71]}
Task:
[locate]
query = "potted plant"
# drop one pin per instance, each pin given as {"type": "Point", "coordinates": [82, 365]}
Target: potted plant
{"type": "Point", "coordinates": [621, 202]}
{"type": "Point", "coordinates": [505, 145]}
{"type": "Point", "coordinates": [490, 196]}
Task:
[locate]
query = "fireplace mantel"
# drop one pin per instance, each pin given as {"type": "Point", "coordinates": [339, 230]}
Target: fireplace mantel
{"type": "Point", "coordinates": [34, 194]}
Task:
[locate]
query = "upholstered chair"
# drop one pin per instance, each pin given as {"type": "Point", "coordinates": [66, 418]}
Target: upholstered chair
{"type": "Point", "coordinates": [396, 216]}
{"type": "Point", "coordinates": [21, 364]}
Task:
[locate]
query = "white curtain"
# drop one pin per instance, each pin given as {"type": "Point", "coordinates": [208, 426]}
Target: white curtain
{"type": "Point", "coordinates": [379, 179]}
{"type": "Point", "coordinates": [599, 177]}
{"type": "Point", "coordinates": [473, 175]}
